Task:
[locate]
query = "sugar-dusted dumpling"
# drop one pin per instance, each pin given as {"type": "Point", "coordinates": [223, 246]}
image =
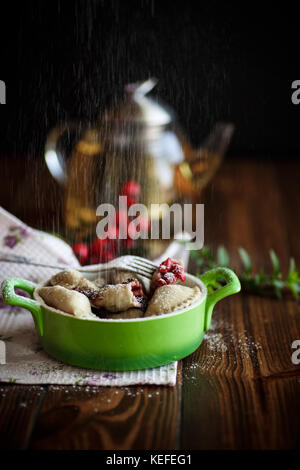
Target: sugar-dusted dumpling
{"type": "Point", "coordinates": [169, 298]}
{"type": "Point", "coordinates": [86, 284]}
{"type": "Point", "coordinates": [72, 279]}
{"type": "Point", "coordinates": [119, 297]}
{"type": "Point", "coordinates": [100, 282]}
{"type": "Point", "coordinates": [69, 278]}
{"type": "Point", "coordinates": [67, 300]}
{"type": "Point", "coordinates": [118, 276]}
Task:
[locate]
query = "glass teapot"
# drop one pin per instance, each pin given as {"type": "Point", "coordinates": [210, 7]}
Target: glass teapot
{"type": "Point", "coordinates": [135, 149]}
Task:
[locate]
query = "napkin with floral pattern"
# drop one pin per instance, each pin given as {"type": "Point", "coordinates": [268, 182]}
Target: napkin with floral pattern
{"type": "Point", "coordinates": [22, 360]}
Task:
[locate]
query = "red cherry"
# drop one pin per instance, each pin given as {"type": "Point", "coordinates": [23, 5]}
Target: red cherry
{"type": "Point", "coordinates": [94, 259]}
{"type": "Point", "coordinates": [112, 246]}
{"type": "Point", "coordinates": [97, 246]}
{"type": "Point", "coordinates": [131, 188]}
{"type": "Point", "coordinates": [166, 265]}
{"type": "Point", "coordinates": [81, 251]}
{"type": "Point", "coordinates": [178, 271]}
{"type": "Point", "coordinates": [109, 252]}
{"type": "Point", "coordinates": [103, 250]}
{"type": "Point", "coordinates": [160, 282]}
{"type": "Point", "coordinates": [170, 278]}
{"type": "Point", "coordinates": [169, 272]}
{"type": "Point", "coordinates": [107, 255]}
{"type": "Point", "coordinates": [131, 201]}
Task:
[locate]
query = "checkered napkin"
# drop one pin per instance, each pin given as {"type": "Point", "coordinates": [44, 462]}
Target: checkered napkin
{"type": "Point", "coordinates": [22, 359]}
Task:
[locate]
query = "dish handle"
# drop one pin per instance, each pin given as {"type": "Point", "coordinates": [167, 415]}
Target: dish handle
{"type": "Point", "coordinates": [11, 298]}
{"type": "Point", "coordinates": [232, 286]}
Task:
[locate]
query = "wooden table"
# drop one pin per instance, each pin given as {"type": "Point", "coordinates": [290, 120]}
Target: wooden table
{"type": "Point", "coordinates": [239, 390]}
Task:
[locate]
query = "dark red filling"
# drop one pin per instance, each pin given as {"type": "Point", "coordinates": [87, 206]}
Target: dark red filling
{"type": "Point", "coordinates": [169, 272]}
{"type": "Point", "coordinates": [137, 290]}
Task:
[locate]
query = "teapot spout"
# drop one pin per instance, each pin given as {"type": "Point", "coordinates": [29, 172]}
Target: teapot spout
{"type": "Point", "coordinates": [201, 164]}
{"type": "Point", "coordinates": [219, 139]}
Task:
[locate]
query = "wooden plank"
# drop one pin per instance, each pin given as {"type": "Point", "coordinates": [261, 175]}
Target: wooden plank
{"type": "Point", "coordinates": [108, 418]}
{"type": "Point", "coordinates": [240, 388]}
{"type": "Point", "coordinates": [241, 414]}
{"type": "Point", "coordinates": [19, 406]}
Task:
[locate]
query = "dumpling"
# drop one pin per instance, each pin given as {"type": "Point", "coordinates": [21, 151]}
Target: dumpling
{"type": "Point", "coordinates": [168, 298]}
{"type": "Point", "coordinates": [68, 301]}
{"type": "Point", "coordinates": [100, 282]}
{"type": "Point", "coordinates": [119, 297]}
{"type": "Point", "coordinates": [86, 284]}
{"type": "Point", "coordinates": [118, 276]}
{"type": "Point", "coordinates": [72, 279]}
{"type": "Point", "coordinates": [68, 278]}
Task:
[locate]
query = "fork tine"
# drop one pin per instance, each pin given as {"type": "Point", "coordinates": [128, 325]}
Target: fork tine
{"type": "Point", "coordinates": [149, 270]}
{"type": "Point", "coordinates": [143, 266]}
{"type": "Point", "coordinates": [143, 273]}
{"type": "Point", "coordinates": [144, 262]}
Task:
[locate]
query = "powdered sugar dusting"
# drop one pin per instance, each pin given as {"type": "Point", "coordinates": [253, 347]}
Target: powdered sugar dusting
{"type": "Point", "coordinates": [222, 340]}
{"type": "Point", "coordinates": [215, 342]}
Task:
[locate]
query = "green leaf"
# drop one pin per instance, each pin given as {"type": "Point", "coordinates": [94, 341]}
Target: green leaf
{"type": "Point", "coordinates": [278, 285]}
{"type": "Point", "coordinates": [222, 256]}
{"type": "Point", "coordinates": [246, 260]}
{"type": "Point", "coordinates": [261, 275]}
{"type": "Point", "coordinates": [295, 288]}
{"type": "Point", "coordinates": [207, 253]}
{"type": "Point", "coordinates": [275, 263]}
{"type": "Point", "coordinates": [293, 275]}
{"type": "Point", "coordinates": [195, 255]}
{"type": "Point", "coordinates": [292, 268]}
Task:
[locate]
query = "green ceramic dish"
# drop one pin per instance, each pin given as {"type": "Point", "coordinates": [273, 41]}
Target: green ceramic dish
{"type": "Point", "coordinates": [123, 344]}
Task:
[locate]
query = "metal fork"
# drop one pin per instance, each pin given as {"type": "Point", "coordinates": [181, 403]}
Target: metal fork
{"type": "Point", "coordinates": [135, 264]}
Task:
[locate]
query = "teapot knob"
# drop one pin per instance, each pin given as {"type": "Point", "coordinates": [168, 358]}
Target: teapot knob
{"type": "Point", "coordinates": [141, 88]}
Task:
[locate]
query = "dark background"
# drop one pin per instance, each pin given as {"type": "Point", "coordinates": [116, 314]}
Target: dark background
{"type": "Point", "coordinates": [215, 61]}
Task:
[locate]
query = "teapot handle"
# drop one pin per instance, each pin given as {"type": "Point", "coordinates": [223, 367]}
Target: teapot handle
{"type": "Point", "coordinates": [55, 159]}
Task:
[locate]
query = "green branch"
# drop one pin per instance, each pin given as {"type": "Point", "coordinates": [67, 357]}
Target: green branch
{"type": "Point", "coordinates": [259, 283]}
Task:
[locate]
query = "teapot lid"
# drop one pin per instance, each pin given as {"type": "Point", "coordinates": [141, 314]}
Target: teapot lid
{"type": "Point", "coordinates": [139, 108]}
